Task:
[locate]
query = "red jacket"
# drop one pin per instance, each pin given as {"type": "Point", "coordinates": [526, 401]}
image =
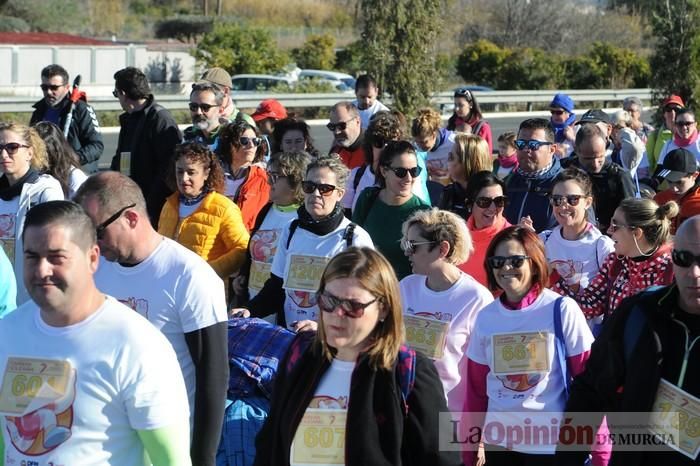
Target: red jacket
{"type": "Point", "coordinates": [689, 204]}
{"type": "Point", "coordinates": [253, 194]}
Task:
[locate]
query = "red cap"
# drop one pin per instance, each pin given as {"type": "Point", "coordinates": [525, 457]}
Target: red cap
{"type": "Point", "coordinates": [270, 108]}
{"type": "Point", "coordinates": [673, 99]}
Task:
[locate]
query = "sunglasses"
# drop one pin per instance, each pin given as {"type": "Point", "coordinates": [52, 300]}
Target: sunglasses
{"type": "Point", "coordinates": [11, 147]}
{"type": "Point", "coordinates": [244, 141]}
{"type": "Point", "coordinates": [497, 262]}
{"type": "Point", "coordinates": [556, 112]}
{"type": "Point", "coordinates": [671, 108]}
{"type": "Point", "coordinates": [572, 199]}
{"type": "Point", "coordinates": [685, 123]}
{"type": "Point", "coordinates": [615, 226]}
{"type": "Point", "coordinates": [100, 229]}
{"type": "Point", "coordinates": [309, 187]}
{"type": "Point", "coordinates": [274, 177]}
{"type": "Point", "coordinates": [532, 144]}
{"type": "Point", "coordinates": [340, 125]}
{"type": "Point", "coordinates": [53, 87]}
{"type": "Point", "coordinates": [684, 259]}
{"type": "Point", "coordinates": [410, 246]}
{"type": "Point", "coordinates": [351, 308]}
{"type": "Point", "coordinates": [485, 202]}
{"type": "Point", "coordinates": [401, 171]}
{"type": "Point", "coordinates": [204, 107]}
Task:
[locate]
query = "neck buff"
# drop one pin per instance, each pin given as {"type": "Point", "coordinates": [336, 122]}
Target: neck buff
{"type": "Point", "coordinates": [681, 142]}
{"type": "Point", "coordinates": [508, 161]}
{"type": "Point", "coordinates": [7, 192]}
{"type": "Point", "coordinates": [322, 226]}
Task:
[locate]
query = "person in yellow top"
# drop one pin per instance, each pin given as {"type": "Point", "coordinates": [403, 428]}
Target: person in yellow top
{"type": "Point", "coordinates": [199, 216]}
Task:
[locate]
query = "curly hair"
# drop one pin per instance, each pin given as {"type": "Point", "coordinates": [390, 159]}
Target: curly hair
{"type": "Point", "coordinates": [229, 142]}
{"type": "Point", "coordinates": [62, 158]}
{"type": "Point", "coordinates": [292, 165]}
{"type": "Point", "coordinates": [40, 159]}
{"type": "Point", "coordinates": [384, 126]}
{"type": "Point", "coordinates": [440, 225]}
{"type": "Point", "coordinates": [426, 123]}
{"type": "Point", "coordinates": [199, 153]}
{"type": "Point", "coordinates": [334, 164]}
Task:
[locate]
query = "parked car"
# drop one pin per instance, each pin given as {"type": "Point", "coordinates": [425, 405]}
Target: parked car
{"type": "Point", "coordinates": [259, 82]}
{"type": "Point", "coordinates": [341, 81]}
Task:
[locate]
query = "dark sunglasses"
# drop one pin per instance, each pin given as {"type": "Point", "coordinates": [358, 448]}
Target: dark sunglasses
{"type": "Point", "coordinates": [410, 246]}
{"type": "Point", "coordinates": [53, 87]}
{"type": "Point", "coordinates": [274, 177]}
{"type": "Point", "coordinates": [485, 202]}
{"type": "Point", "coordinates": [11, 147]}
{"type": "Point", "coordinates": [556, 112]}
{"type": "Point", "coordinates": [204, 107]}
{"type": "Point", "coordinates": [671, 108]}
{"type": "Point", "coordinates": [684, 123]}
{"type": "Point", "coordinates": [351, 308]}
{"type": "Point", "coordinates": [244, 141]}
{"type": "Point", "coordinates": [340, 125]}
{"type": "Point", "coordinates": [401, 171]}
{"type": "Point", "coordinates": [464, 92]}
{"type": "Point", "coordinates": [684, 259]}
{"type": "Point", "coordinates": [571, 199]}
{"type": "Point", "coordinates": [497, 262]}
{"type": "Point", "coordinates": [309, 187]}
{"type": "Point", "coordinates": [532, 144]}
{"type": "Point", "coordinates": [100, 229]}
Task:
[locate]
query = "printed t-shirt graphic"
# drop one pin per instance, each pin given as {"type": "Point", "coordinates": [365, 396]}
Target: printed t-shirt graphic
{"type": "Point", "coordinates": [7, 235]}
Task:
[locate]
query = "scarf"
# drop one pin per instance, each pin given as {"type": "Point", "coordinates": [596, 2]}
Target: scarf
{"type": "Point", "coordinates": [682, 142]}
{"type": "Point", "coordinates": [508, 161]}
{"type": "Point", "coordinates": [534, 175]}
{"type": "Point", "coordinates": [194, 200]}
{"type": "Point", "coordinates": [7, 192]}
{"type": "Point", "coordinates": [526, 300]}
{"type": "Point", "coordinates": [322, 226]}
{"type": "Point", "coordinates": [560, 127]}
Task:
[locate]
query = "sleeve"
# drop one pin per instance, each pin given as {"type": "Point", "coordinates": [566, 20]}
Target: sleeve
{"type": "Point", "coordinates": [209, 351]}
{"type": "Point", "coordinates": [91, 145]}
{"type": "Point", "coordinates": [201, 298]}
{"type": "Point", "coordinates": [349, 194]}
{"type": "Point", "coordinates": [577, 334]}
{"type": "Point", "coordinates": [235, 237]}
{"type": "Point", "coordinates": [167, 446]}
{"type": "Point", "coordinates": [8, 288]}
{"type": "Point", "coordinates": [476, 404]}
{"type": "Point", "coordinates": [485, 133]}
{"type": "Point", "coordinates": [361, 238]}
{"type": "Point", "coordinates": [593, 300]}
{"type": "Point", "coordinates": [270, 299]}
{"type": "Point", "coordinates": [651, 156]}
{"type": "Point", "coordinates": [257, 194]}
{"type": "Point", "coordinates": [165, 136]}
{"type": "Point", "coordinates": [52, 192]}
{"type": "Point", "coordinates": [628, 189]}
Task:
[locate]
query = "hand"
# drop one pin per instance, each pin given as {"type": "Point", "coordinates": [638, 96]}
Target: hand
{"type": "Point", "coordinates": [305, 326]}
{"type": "Point", "coordinates": [240, 284]}
{"type": "Point", "coordinates": [481, 455]}
{"type": "Point", "coordinates": [239, 312]}
{"type": "Point", "coordinates": [526, 222]}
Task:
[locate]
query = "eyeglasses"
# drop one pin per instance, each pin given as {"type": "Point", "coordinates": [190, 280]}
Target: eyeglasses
{"type": "Point", "coordinates": [684, 123]}
{"type": "Point", "coordinates": [351, 308]}
{"type": "Point", "coordinates": [11, 147]}
{"type": "Point", "coordinates": [53, 87]}
{"type": "Point", "coordinates": [379, 143]}
{"type": "Point", "coordinates": [616, 226]}
{"type": "Point", "coordinates": [309, 187]}
{"type": "Point", "coordinates": [274, 177]}
{"type": "Point", "coordinates": [100, 229]}
{"type": "Point", "coordinates": [244, 141]}
{"type": "Point", "coordinates": [497, 262]}
{"type": "Point", "coordinates": [410, 246]}
{"type": "Point", "coordinates": [464, 92]}
{"type": "Point", "coordinates": [485, 202]}
{"type": "Point", "coordinates": [684, 259]}
{"type": "Point", "coordinates": [556, 112]}
{"type": "Point", "coordinates": [532, 144]}
{"type": "Point", "coordinates": [572, 199]}
{"type": "Point", "coordinates": [671, 108]}
{"type": "Point", "coordinates": [401, 172]}
{"type": "Point", "coordinates": [342, 125]}
{"type": "Point", "coordinates": [204, 107]}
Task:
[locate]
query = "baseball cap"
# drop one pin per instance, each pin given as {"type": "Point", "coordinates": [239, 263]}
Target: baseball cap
{"type": "Point", "coordinates": [270, 108]}
{"type": "Point", "coordinates": [218, 76]}
{"type": "Point", "coordinates": [673, 99]}
{"type": "Point", "coordinates": [677, 164]}
{"type": "Point", "coordinates": [594, 115]}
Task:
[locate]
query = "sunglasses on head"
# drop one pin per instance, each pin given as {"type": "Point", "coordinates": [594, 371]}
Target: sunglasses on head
{"type": "Point", "coordinates": [401, 171]}
{"type": "Point", "coordinates": [410, 246]}
{"type": "Point", "coordinates": [556, 112]}
{"type": "Point", "coordinates": [684, 123]}
{"type": "Point", "coordinates": [244, 141]}
{"type": "Point", "coordinates": [100, 229]}
{"type": "Point", "coordinates": [11, 147]}
{"type": "Point", "coordinates": [485, 202]}
{"type": "Point", "coordinates": [684, 259]}
{"type": "Point", "coordinates": [532, 144]}
{"type": "Point", "coordinates": [464, 92]}
{"type": "Point", "coordinates": [53, 87]}
{"type": "Point", "coordinates": [341, 125]}
{"type": "Point", "coordinates": [497, 262]}
{"type": "Point", "coordinates": [351, 308]}
{"type": "Point", "coordinates": [309, 187]}
{"type": "Point", "coordinates": [203, 107]}
{"type": "Point", "coordinates": [571, 199]}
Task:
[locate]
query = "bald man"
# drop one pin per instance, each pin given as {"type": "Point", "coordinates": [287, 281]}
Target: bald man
{"type": "Point", "coordinates": [645, 359]}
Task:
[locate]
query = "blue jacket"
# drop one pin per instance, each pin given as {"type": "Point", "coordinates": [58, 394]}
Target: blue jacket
{"type": "Point", "coordinates": [531, 197]}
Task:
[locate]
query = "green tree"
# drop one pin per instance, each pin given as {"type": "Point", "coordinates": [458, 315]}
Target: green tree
{"type": "Point", "coordinates": [530, 68]}
{"type": "Point", "coordinates": [618, 67]}
{"type": "Point", "coordinates": [349, 58]}
{"type": "Point", "coordinates": [318, 52]}
{"type": "Point", "coordinates": [240, 49]}
{"type": "Point", "coordinates": [184, 28]}
{"type": "Point", "coordinates": [482, 63]}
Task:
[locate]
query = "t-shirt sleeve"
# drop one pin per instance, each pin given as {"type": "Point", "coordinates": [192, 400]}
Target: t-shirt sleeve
{"type": "Point", "coordinates": [577, 334]}
{"type": "Point", "coordinates": [476, 351]}
{"type": "Point", "coordinates": [361, 238]}
{"type": "Point", "coordinates": [279, 262]}
{"type": "Point", "coordinates": [202, 300]}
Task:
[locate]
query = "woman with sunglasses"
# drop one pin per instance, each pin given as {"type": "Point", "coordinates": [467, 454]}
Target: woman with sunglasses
{"type": "Point", "coordinates": [685, 136]}
{"type": "Point", "coordinates": [240, 151]}
{"type": "Point", "coordinates": [23, 159]}
{"type": "Point", "coordinates": [524, 349]}
{"type": "Point", "coordinates": [641, 233]}
{"type": "Point", "coordinates": [441, 302]}
{"type": "Point", "coordinates": [468, 113]}
{"type": "Point", "coordinates": [305, 246]}
{"type": "Point", "coordinates": [198, 215]}
{"type": "Point", "coordinates": [389, 414]}
{"type": "Point", "coordinates": [485, 201]}
{"type": "Point", "coordinates": [382, 210]}
{"type": "Point", "coordinates": [658, 138]}
{"type": "Point", "coordinates": [293, 135]}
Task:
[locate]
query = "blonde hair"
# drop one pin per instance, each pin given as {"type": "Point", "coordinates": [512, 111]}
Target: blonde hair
{"type": "Point", "coordinates": [426, 123]}
{"type": "Point", "coordinates": [376, 275]}
{"type": "Point", "coordinates": [654, 220]}
{"type": "Point", "coordinates": [40, 158]}
{"type": "Point", "coordinates": [472, 151]}
{"type": "Point", "coordinates": [440, 225]}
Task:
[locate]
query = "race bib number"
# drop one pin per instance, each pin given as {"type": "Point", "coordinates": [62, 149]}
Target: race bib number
{"type": "Point", "coordinates": [125, 163]}
{"type": "Point", "coordinates": [259, 273]}
{"type": "Point", "coordinates": [29, 384]}
{"type": "Point", "coordinates": [676, 414]}
{"type": "Point", "coordinates": [520, 353]}
{"type": "Point", "coordinates": [304, 272]}
{"type": "Point", "coordinates": [320, 438]}
{"type": "Point", "coordinates": [426, 335]}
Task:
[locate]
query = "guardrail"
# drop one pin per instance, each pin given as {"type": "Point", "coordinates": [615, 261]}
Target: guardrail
{"type": "Point", "coordinates": [179, 102]}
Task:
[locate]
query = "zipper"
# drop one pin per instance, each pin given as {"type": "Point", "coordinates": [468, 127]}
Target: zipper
{"type": "Point", "coordinates": [688, 348]}
{"type": "Point", "coordinates": [522, 205]}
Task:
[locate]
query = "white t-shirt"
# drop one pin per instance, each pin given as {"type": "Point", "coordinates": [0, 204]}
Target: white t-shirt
{"type": "Point", "coordinates": [173, 288]}
{"type": "Point", "coordinates": [501, 334]}
{"type": "Point", "coordinates": [76, 178]}
{"type": "Point", "coordinates": [231, 186]}
{"type": "Point", "coordinates": [670, 145]}
{"type": "Point", "coordinates": [366, 114]}
{"type": "Point", "coordinates": [105, 378]}
{"type": "Point", "coordinates": [458, 307]}
{"type": "Point", "coordinates": [437, 161]}
{"type": "Point", "coordinates": [263, 245]}
{"type": "Point", "coordinates": [309, 253]}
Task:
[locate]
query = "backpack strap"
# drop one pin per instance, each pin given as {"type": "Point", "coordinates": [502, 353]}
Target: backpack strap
{"type": "Point", "coordinates": [477, 127]}
{"type": "Point", "coordinates": [358, 176]}
{"type": "Point", "coordinates": [406, 374]}
{"type": "Point", "coordinates": [560, 345]}
{"type": "Point", "coordinates": [348, 234]}
{"type": "Point", "coordinates": [292, 228]}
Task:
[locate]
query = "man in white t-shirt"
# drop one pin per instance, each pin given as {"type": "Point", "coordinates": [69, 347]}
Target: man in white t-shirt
{"type": "Point", "coordinates": [84, 381]}
{"type": "Point", "coordinates": [173, 288]}
{"type": "Point", "coordinates": [366, 92]}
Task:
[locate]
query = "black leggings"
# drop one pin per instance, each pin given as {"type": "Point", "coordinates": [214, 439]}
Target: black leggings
{"type": "Point", "coordinates": [499, 456]}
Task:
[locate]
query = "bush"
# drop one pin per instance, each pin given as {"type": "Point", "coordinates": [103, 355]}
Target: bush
{"type": "Point", "coordinates": [184, 28]}
{"type": "Point", "coordinates": [318, 52]}
{"type": "Point", "coordinates": [482, 63]}
{"type": "Point", "coordinates": [12, 24]}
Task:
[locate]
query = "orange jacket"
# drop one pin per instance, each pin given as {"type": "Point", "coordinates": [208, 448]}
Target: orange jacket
{"type": "Point", "coordinates": [253, 194]}
{"type": "Point", "coordinates": [214, 231]}
{"type": "Point", "coordinates": [689, 204]}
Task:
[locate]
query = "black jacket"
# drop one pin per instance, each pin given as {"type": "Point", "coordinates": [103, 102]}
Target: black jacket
{"type": "Point", "coordinates": [84, 132]}
{"type": "Point", "coordinates": [151, 135]}
{"type": "Point", "coordinates": [623, 372]}
{"type": "Point", "coordinates": [377, 431]}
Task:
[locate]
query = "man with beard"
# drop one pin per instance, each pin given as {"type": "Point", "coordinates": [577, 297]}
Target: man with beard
{"type": "Point", "coordinates": [348, 136]}
{"type": "Point", "coordinates": [206, 110]}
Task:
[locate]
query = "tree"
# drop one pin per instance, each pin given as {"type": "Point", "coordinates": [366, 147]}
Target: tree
{"type": "Point", "coordinates": [318, 52]}
{"type": "Point", "coordinates": [618, 67]}
{"type": "Point", "coordinates": [239, 49]}
{"type": "Point", "coordinates": [184, 28]}
{"type": "Point", "coordinates": [400, 38]}
{"type": "Point", "coordinates": [482, 62]}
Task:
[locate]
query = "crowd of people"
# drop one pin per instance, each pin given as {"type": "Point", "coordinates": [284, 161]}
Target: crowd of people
{"type": "Point", "coordinates": [369, 304]}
